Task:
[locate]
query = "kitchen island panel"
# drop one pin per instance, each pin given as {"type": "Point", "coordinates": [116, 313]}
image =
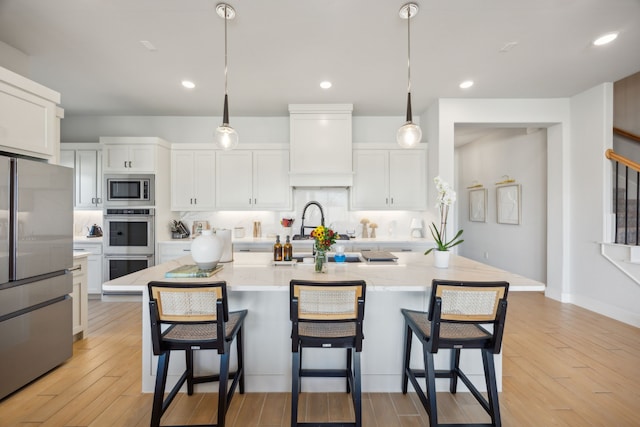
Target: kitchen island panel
{"type": "Point", "coordinates": [256, 284]}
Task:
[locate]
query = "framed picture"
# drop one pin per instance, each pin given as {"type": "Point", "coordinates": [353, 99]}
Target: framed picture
{"type": "Point", "coordinates": [478, 205]}
{"type": "Point", "coordinates": [508, 199]}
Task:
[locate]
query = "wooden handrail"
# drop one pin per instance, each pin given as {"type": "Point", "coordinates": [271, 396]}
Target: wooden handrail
{"type": "Point", "coordinates": [626, 134]}
{"type": "Point", "coordinates": [611, 155]}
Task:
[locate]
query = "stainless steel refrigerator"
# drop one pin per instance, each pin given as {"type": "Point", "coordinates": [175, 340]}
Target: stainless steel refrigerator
{"type": "Point", "coordinates": [36, 253]}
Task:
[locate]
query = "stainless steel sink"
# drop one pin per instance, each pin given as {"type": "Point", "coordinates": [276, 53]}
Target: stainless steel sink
{"type": "Point", "coordinates": [330, 258]}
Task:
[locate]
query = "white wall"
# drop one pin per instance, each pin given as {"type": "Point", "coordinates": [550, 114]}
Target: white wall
{"type": "Point", "coordinates": [595, 283]}
{"type": "Point", "coordinates": [523, 157]}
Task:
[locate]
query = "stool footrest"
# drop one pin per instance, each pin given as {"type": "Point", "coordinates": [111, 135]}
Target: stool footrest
{"type": "Point", "coordinates": [325, 373]}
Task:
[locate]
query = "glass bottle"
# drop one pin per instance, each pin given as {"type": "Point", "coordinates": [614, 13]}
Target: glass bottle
{"type": "Point", "coordinates": [277, 250]}
{"type": "Point", "coordinates": [287, 250]}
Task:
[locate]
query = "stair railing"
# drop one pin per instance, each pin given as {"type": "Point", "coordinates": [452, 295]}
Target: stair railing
{"type": "Point", "coordinates": [624, 220]}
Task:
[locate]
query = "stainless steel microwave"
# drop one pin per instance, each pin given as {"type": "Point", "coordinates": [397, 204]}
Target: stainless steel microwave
{"type": "Point", "coordinates": [126, 190]}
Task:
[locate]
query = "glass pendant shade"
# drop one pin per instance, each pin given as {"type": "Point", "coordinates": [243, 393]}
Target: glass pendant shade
{"type": "Point", "coordinates": [409, 135]}
{"type": "Point", "coordinates": [226, 137]}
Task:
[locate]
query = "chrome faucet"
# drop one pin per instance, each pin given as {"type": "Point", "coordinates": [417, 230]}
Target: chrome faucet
{"type": "Point", "coordinates": [302, 226]}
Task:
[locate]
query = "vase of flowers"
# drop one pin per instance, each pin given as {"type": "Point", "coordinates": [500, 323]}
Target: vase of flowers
{"type": "Point", "coordinates": [324, 237]}
{"type": "Point", "coordinates": [446, 199]}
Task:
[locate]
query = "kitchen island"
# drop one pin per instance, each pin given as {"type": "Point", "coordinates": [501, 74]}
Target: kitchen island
{"type": "Point", "coordinates": [256, 284]}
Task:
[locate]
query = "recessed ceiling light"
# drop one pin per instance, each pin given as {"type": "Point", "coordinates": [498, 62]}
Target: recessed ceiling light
{"type": "Point", "coordinates": [325, 84]}
{"type": "Point", "coordinates": [604, 39]}
{"type": "Point", "coordinates": [188, 84]}
{"type": "Point", "coordinates": [466, 84]}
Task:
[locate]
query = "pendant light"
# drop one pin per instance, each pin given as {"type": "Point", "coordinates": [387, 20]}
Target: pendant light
{"type": "Point", "coordinates": [225, 136]}
{"type": "Point", "coordinates": [409, 134]}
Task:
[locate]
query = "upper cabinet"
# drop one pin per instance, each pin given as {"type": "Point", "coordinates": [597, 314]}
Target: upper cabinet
{"type": "Point", "coordinates": [389, 179]}
{"type": "Point", "coordinates": [131, 154]}
{"type": "Point", "coordinates": [252, 179]}
{"type": "Point", "coordinates": [29, 117]}
{"type": "Point", "coordinates": [192, 179]}
{"type": "Point", "coordinates": [86, 159]}
{"type": "Point", "coordinates": [321, 147]}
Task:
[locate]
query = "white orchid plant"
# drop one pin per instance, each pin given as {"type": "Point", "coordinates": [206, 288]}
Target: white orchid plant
{"type": "Point", "coordinates": [446, 198]}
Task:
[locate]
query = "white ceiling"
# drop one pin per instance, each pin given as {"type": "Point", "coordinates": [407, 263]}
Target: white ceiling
{"type": "Point", "coordinates": [280, 50]}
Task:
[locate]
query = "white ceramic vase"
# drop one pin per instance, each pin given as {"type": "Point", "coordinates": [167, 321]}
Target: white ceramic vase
{"type": "Point", "coordinates": [441, 258]}
{"type": "Point", "coordinates": [206, 250]}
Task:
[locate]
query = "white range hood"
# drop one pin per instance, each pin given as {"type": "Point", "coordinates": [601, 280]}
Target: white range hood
{"type": "Point", "coordinates": [320, 146]}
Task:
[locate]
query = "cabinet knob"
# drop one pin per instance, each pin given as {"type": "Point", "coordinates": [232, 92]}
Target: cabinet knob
{"type": "Point", "coordinates": [195, 201]}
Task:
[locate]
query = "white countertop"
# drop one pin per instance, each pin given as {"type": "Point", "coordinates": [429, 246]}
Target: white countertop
{"type": "Point", "coordinates": [256, 272]}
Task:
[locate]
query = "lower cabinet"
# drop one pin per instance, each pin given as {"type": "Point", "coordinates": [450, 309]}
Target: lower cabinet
{"type": "Point", "coordinates": [79, 297]}
{"type": "Point", "coordinates": [94, 262]}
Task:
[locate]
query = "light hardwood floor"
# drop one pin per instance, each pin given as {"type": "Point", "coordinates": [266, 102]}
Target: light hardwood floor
{"type": "Point", "coordinates": [562, 366]}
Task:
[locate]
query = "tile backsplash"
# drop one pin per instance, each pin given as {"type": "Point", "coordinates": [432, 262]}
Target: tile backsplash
{"type": "Point", "coordinates": [335, 204]}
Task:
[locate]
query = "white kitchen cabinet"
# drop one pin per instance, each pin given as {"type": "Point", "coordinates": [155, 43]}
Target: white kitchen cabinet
{"type": "Point", "coordinates": [129, 158]}
{"type": "Point", "coordinates": [173, 250]}
{"type": "Point", "coordinates": [193, 180]}
{"type": "Point", "coordinates": [29, 117]}
{"type": "Point", "coordinates": [87, 165]}
{"type": "Point", "coordinates": [256, 179]}
{"type": "Point", "coordinates": [94, 266]}
{"type": "Point", "coordinates": [321, 145]}
{"type": "Point", "coordinates": [79, 298]}
{"type": "Point", "coordinates": [389, 179]}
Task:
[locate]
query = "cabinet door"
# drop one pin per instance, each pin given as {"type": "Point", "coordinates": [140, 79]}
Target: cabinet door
{"type": "Point", "coordinates": [182, 180]}
{"type": "Point", "coordinates": [407, 175]}
{"type": "Point", "coordinates": [271, 188]}
{"type": "Point", "coordinates": [142, 158]}
{"type": "Point", "coordinates": [130, 158]}
{"type": "Point", "coordinates": [116, 158]}
{"type": "Point", "coordinates": [234, 180]}
{"type": "Point", "coordinates": [370, 182]}
{"type": "Point", "coordinates": [94, 274]}
{"type": "Point", "coordinates": [87, 179]}
{"type": "Point", "coordinates": [204, 165]}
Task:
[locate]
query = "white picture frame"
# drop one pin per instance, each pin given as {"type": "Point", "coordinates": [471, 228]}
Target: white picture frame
{"type": "Point", "coordinates": [478, 205]}
{"type": "Point", "coordinates": [508, 203]}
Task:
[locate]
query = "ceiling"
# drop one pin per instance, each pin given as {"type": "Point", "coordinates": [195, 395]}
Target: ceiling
{"type": "Point", "coordinates": [280, 50]}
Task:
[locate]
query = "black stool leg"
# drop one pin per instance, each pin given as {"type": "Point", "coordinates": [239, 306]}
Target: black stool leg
{"type": "Point", "coordinates": [492, 387]}
{"type": "Point", "coordinates": [222, 388]}
{"type": "Point", "coordinates": [430, 376]}
{"type": "Point", "coordinates": [188, 354]}
{"type": "Point", "coordinates": [158, 394]}
{"type": "Point", "coordinates": [455, 370]}
{"type": "Point", "coordinates": [349, 369]}
{"type": "Point", "coordinates": [295, 386]}
{"type": "Point", "coordinates": [240, 359]}
{"type": "Point", "coordinates": [357, 390]}
{"type": "Point", "coordinates": [407, 357]}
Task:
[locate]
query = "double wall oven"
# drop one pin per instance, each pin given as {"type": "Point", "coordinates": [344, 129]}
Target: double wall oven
{"type": "Point", "coordinates": [129, 222]}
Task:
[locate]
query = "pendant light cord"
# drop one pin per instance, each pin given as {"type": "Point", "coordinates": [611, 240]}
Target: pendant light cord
{"type": "Point", "coordinates": [225, 49]}
{"type": "Point", "coordinates": [409, 48]}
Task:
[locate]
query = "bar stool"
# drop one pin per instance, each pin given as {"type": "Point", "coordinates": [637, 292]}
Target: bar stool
{"type": "Point", "coordinates": [327, 315]}
{"type": "Point", "coordinates": [191, 317]}
{"type": "Point", "coordinates": [457, 318]}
